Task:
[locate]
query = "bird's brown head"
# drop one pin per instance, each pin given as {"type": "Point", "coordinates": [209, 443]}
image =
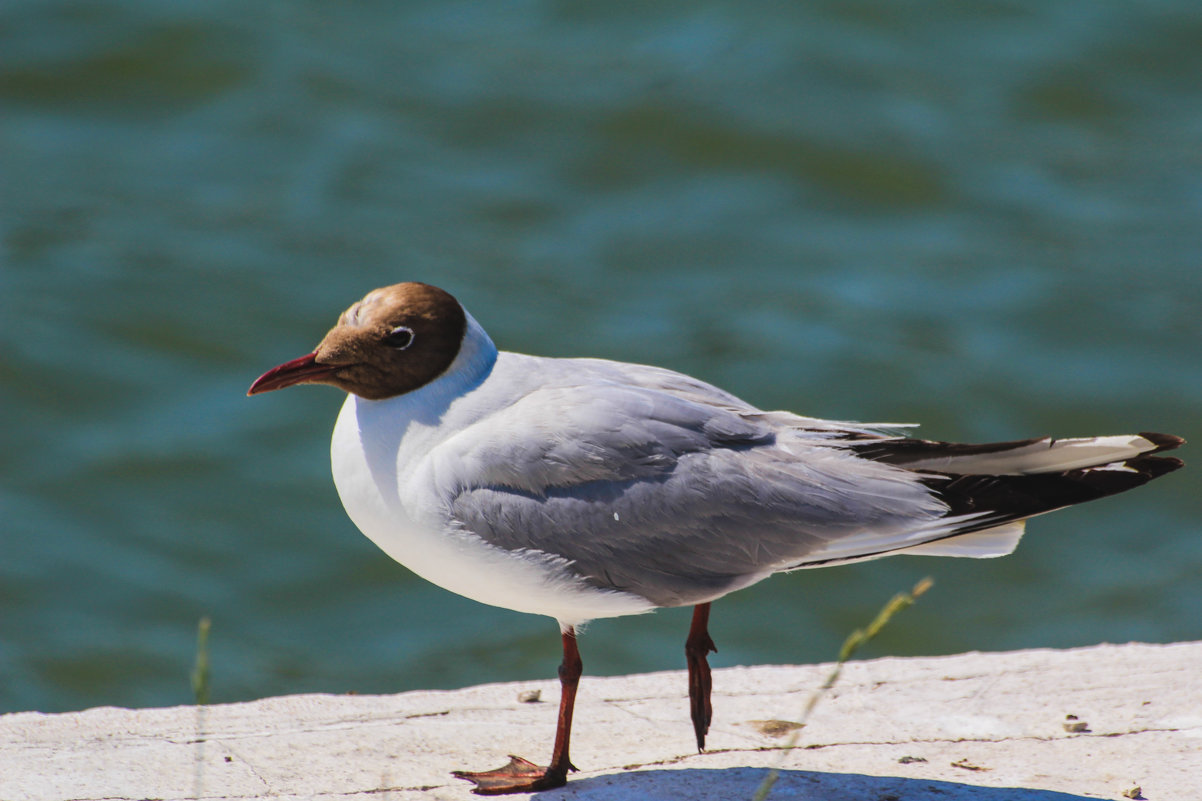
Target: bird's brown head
{"type": "Point", "coordinates": [395, 340]}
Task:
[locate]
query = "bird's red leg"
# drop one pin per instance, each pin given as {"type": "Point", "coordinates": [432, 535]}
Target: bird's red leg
{"type": "Point", "coordinates": [696, 647]}
{"type": "Point", "coordinates": [523, 776]}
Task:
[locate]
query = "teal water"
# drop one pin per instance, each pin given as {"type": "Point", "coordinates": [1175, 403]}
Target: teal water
{"type": "Point", "coordinates": [983, 217]}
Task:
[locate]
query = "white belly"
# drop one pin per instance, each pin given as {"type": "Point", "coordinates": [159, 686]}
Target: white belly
{"type": "Point", "coordinates": [378, 472]}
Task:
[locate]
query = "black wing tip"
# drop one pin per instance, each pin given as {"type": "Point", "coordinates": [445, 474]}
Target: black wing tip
{"type": "Point", "coordinates": [1004, 498]}
{"type": "Point", "coordinates": [1116, 477]}
{"type": "Point", "coordinates": [1163, 442]}
{"type": "Point", "coordinates": [1155, 466]}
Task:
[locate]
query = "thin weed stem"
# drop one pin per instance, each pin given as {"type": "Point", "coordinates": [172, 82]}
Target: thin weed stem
{"type": "Point", "coordinates": [853, 642]}
{"type": "Point", "coordinates": [200, 673]}
{"type": "Point", "coordinates": [200, 692]}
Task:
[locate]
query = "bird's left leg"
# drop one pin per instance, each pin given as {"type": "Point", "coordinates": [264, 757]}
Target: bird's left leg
{"type": "Point", "coordinates": [696, 647]}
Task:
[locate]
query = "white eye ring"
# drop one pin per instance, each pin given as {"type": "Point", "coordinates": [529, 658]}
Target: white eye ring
{"type": "Point", "coordinates": [399, 338]}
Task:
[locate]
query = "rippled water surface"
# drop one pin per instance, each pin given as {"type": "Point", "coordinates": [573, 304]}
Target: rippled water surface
{"type": "Point", "coordinates": [982, 217]}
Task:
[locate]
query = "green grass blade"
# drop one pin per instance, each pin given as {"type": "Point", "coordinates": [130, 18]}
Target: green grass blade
{"type": "Point", "coordinates": [200, 673]}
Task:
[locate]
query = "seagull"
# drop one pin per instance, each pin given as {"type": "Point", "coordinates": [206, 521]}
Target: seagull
{"type": "Point", "coordinates": [583, 488]}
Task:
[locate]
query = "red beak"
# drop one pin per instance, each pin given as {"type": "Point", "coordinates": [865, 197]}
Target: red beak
{"type": "Point", "coordinates": [287, 374]}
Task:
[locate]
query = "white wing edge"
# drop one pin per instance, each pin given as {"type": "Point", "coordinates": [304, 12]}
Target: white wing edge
{"type": "Point", "coordinates": [1045, 456]}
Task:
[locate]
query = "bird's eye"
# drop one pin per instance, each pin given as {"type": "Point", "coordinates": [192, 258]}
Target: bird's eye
{"type": "Point", "coordinates": [400, 337]}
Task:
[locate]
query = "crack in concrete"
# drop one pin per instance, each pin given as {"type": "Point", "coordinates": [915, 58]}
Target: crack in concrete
{"type": "Point", "coordinates": [821, 746]}
{"type": "Point", "coordinates": [249, 765]}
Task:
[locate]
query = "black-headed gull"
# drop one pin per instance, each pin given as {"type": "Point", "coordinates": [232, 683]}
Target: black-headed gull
{"type": "Point", "coordinates": [585, 488]}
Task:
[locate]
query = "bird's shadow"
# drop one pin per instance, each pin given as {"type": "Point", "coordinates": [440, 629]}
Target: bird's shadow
{"type": "Point", "coordinates": [740, 784]}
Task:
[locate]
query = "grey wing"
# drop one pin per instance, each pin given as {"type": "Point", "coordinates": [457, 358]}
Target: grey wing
{"type": "Point", "coordinates": [670, 497]}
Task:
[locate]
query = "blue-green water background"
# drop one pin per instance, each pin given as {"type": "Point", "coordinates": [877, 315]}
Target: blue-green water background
{"type": "Point", "coordinates": [985, 217]}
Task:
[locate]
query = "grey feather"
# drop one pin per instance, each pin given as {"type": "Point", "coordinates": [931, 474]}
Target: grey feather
{"type": "Point", "coordinates": [670, 489]}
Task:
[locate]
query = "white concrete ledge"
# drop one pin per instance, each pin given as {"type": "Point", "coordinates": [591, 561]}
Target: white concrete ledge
{"type": "Point", "coordinates": [986, 727]}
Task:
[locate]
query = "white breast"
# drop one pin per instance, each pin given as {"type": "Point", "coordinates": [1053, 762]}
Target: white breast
{"type": "Point", "coordinates": [386, 483]}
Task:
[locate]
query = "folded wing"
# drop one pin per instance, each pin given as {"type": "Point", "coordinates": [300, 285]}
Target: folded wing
{"type": "Point", "coordinates": [679, 500]}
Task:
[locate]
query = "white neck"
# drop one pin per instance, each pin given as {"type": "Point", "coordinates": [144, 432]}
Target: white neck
{"type": "Point", "coordinates": [475, 360]}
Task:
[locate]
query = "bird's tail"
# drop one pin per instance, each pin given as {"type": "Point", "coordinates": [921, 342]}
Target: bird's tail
{"type": "Point", "coordinates": [991, 489]}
